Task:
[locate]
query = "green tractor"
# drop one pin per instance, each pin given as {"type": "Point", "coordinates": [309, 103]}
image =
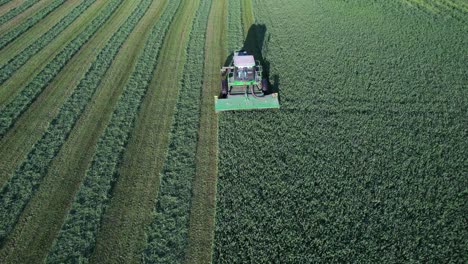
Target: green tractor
{"type": "Point", "coordinates": [243, 86]}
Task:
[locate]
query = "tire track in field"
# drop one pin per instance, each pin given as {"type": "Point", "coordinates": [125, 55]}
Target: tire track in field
{"type": "Point", "coordinates": [44, 215]}
{"type": "Point", "coordinates": [204, 186]}
{"type": "Point", "coordinates": [18, 141]}
{"type": "Point", "coordinates": [132, 204]}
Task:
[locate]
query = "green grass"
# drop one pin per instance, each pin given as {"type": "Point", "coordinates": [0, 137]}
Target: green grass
{"type": "Point", "coordinates": [26, 39]}
{"type": "Point", "coordinates": [2, 2]}
{"type": "Point", "coordinates": [17, 192]}
{"type": "Point", "coordinates": [25, 74]}
{"type": "Point", "coordinates": [77, 237]}
{"type": "Point", "coordinates": [16, 11]}
{"type": "Point", "coordinates": [8, 69]}
{"type": "Point", "coordinates": [42, 218]}
{"type": "Point", "coordinates": [12, 34]}
{"type": "Point", "coordinates": [168, 233]}
{"type": "Point", "coordinates": [204, 184]}
{"type": "Point", "coordinates": [366, 160]}
{"type": "Point", "coordinates": [18, 142]}
{"type": "Point", "coordinates": [28, 94]}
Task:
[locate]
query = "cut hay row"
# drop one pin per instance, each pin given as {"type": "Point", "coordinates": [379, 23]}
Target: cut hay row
{"type": "Point", "coordinates": [168, 234]}
{"type": "Point", "coordinates": [17, 10]}
{"type": "Point", "coordinates": [30, 126]}
{"type": "Point", "coordinates": [2, 2]}
{"type": "Point", "coordinates": [441, 9]}
{"type": "Point", "coordinates": [12, 34]}
{"type": "Point", "coordinates": [202, 209]}
{"type": "Point", "coordinates": [133, 195]}
{"type": "Point", "coordinates": [18, 190]}
{"type": "Point", "coordinates": [76, 239]}
{"type": "Point", "coordinates": [19, 60]}
{"type": "Point", "coordinates": [10, 113]}
{"type": "Point", "coordinates": [41, 220]}
{"type": "Point", "coordinates": [20, 43]}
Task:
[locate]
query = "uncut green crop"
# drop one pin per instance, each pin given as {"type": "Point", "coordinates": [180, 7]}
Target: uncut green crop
{"type": "Point", "coordinates": [17, 192]}
{"type": "Point", "coordinates": [11, 112]}
{"type": "Point", "coordinates": [8, 69]}
{"type": "Point", "coordinates": [234, 30]}
{"type": "Point", "coordinates": [76, 239]}
{"type": "Point", "coordinates": [12, 34]}
{"type": "Point", "coordinates": [168, 234]}
{"type": "Point", "coordinates": [366, 159]}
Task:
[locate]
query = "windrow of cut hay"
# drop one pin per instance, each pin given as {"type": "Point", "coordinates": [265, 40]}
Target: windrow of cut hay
{"type": "Point", "coordinates": [76, 239]}
{"type": "Point", "coordinates": [9, 68]}
{"type": "Point", "coordinates": [12, 34]}
{"type": "Point", "coordinates": [168, 234]}
{"type": "Point", "coordinates": [10, 113]}
{"type": "Point", "coordinates": [18, 10]}
{"type": "Point", "coordinates": [18, 190]}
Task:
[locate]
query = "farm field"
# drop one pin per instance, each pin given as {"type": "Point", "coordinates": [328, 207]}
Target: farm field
{"type": "Point", "coordinates": [111, 151]}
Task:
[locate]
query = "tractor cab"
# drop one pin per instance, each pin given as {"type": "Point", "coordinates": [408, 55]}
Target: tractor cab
{"type": "Point", "coordinates": [244, 67]}
{"type": "Point", "coordinates": [243, 86]}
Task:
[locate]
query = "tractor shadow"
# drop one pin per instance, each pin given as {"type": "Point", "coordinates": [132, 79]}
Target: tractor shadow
{"type": "Point", "coordinates": [256, 43]}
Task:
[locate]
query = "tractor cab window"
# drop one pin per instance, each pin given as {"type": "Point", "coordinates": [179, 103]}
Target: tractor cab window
{"type": "Point", "coordinates": [240, 73]}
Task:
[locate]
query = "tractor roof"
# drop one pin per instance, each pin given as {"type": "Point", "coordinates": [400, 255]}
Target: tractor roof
{"type": "Point", "coordinates": [244, 61]}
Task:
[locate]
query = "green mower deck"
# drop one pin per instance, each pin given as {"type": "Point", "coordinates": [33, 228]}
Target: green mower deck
{"type": "Point", "coordinates": [243, 102]}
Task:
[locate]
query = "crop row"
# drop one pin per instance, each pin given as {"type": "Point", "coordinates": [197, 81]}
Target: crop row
{"type": "Point", "coordinates": [365, 160]}
{"type": "Point", "coordinates": [234, 30]}
{"type": "Point", "coordinates": [168, 234]}
{"type": "Point", "coordinates": [16, 11]}
{"type": "Point", "coordinates": [234, 40]}
{"type": "Point", "coordinates": [2, 2]}
{"type": "Point", "coordinates": [31, 21]}
{"type": "Point", "coordinates": [11, 66]}
{"type": "Point", "coordinates": [19, 189]}
{"type": "Point", "coordinates": [439, 9]}
{"type": "Point", "coordinates": [26, 97]}
{"type": "Point", "coordinates": [76, 239]}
